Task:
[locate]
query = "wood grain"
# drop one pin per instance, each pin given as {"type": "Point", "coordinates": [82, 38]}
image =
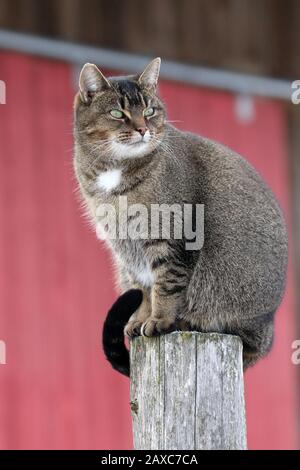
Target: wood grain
{"type": "Point", "coordinates": [187, 392]}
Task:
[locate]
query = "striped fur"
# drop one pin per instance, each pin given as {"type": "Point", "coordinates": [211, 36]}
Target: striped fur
{"type": "Point", "coordinates": [231, 283]}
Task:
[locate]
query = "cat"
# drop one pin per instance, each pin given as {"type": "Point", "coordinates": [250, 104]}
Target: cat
{"type": "Point", "coordinates": [234, 283]}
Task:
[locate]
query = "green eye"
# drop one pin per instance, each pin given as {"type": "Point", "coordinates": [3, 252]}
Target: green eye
{"type": "Point", "coordinates": [117, 114]}
{"type": "Point", "coordinates": [149, 112]}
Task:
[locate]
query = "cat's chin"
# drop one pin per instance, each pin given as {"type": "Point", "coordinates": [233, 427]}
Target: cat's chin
{"type": "Point", "coordinates": [133, 150]}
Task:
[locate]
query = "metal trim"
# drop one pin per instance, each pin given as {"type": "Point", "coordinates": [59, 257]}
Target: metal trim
{"type": "Point", "coordinates": [234, 82]}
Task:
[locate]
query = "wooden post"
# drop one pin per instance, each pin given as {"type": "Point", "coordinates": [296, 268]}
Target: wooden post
{"type": "Point", "coordinates": [187, 392]}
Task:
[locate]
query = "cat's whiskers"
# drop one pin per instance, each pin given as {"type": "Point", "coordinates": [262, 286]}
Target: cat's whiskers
{"type": "Point", "coordinates": [101, 146]}
{"type": "Point", "coordinates": [166, 147]}
{"type": "Point", "coordinates": [108, 146]}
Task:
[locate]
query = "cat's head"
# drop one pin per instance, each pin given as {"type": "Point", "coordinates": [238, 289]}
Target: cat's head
{"type": "Point", "coordinates": [119, 118]}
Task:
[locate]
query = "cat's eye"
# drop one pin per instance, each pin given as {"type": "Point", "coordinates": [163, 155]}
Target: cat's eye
{"type": "Point", "coordinates": [117, 114]}
{"type": "Point", "coordinates": [149, 112]}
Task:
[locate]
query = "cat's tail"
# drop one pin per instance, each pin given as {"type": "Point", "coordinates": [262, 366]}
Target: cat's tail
{"type": "Point", "coordinates": [113, 340]}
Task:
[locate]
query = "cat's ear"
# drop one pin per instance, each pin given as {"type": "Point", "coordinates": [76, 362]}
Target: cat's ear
{"type": "Point", "coordinates": [91, 81]}
{"type": "Point", "coordinates": [149, 77]}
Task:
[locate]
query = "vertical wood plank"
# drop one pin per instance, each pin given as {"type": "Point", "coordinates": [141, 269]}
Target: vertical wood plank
{"type": "Point", "coordinates": [220, 407]}
{"type": "Point", "coordinates": [179, 391]}
{"type": "Point", "coordinates": [147, 393]}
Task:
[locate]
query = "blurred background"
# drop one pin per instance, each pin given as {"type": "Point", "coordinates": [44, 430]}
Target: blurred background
{"type": "Point", "coordinates": [227, 71]}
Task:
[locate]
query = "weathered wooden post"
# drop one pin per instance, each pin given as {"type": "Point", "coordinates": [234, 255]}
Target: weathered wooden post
{"type": "Point", "coordinates": [187, 392]}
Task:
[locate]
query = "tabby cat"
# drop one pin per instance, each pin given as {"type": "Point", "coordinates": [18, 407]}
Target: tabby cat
{"type": "Point", "coordinates": [234, 283]}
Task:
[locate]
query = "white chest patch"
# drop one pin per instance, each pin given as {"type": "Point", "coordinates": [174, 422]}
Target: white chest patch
{"type": "Point", "coordinates": [145, 276]}
{"type": "Point", "coordinates": [109, 180]}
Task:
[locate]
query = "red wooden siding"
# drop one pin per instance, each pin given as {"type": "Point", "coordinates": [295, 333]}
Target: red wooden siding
{"type": "Point", "coordinates": [56, 283]}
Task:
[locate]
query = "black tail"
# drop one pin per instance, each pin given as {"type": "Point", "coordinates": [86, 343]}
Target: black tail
{"type": "Point", "coordinates": [113, 336]}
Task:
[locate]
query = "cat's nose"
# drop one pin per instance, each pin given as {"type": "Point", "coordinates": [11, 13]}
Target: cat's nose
{"type": "Point", "coordinates": [142, 130]}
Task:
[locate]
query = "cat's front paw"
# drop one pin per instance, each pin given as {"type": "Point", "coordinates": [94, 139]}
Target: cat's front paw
{"type": "Point", "coordinates": [133, 328]}
{"type": "Point", "coordinates": [157, 326]}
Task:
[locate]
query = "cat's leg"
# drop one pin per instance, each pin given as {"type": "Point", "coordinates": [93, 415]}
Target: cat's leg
{"type": "Point", "coordinates": [133, 327]}
{"type": "Point", "coordinates": [127, 282]}
{"type": "Point", "coordinates": [212, 307]}
{"type": "Point", "coordinates": [167, 302]}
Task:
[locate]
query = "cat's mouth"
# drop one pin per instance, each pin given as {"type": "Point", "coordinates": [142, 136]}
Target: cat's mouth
{"type": "Point", "coordinates": [138, 143]}
{"type": "Point", "coordinates": [133, 146]}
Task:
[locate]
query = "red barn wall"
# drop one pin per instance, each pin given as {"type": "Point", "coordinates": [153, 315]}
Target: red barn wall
{"type": "Point", "coordinates": [56, 282]}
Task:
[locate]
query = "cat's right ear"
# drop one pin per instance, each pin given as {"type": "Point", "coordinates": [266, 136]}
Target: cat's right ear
{"type": "Point", "coordinates": [91, 81]}
{"type": "Point", "coordinates": [149, 77]}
